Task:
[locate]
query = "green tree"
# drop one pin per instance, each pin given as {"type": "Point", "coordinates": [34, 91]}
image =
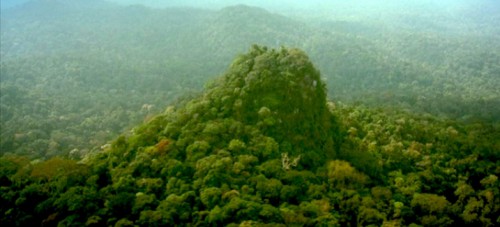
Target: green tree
{"type": "Point", "coordinates": [210, 197]}
{"type": "Point", "coordinates": [342, 175]}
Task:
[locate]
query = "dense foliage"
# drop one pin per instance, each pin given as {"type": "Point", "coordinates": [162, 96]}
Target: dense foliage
{"type": "Point", "coordinates": [411, 138]}
{"type": "Point", "coordinates": [235, 155]}
{"type": "Point", "coordinates": [75, 74]}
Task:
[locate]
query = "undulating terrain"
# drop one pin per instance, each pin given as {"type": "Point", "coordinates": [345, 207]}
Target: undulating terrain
{"type": "Point", "coordinates": [129, 115]}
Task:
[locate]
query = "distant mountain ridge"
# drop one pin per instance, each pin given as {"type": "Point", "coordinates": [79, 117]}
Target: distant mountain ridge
{"type": "Point", "coordinates": [58, 53]}
{"type": "Point", "coordinates": [205, 28]}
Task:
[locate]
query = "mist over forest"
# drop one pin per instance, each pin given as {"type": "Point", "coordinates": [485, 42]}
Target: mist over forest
{"type": "Point", "coordinates": [227, 112]}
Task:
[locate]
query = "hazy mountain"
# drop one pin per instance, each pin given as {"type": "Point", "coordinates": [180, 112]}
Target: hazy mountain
{"type": "Point", "coordinates": [73, 69]}
{"type": "Point", "coordinates": [346, 117]}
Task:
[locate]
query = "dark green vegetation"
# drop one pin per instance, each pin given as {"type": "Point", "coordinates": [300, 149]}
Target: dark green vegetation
{"type": "Point", "coordinates": [261, 145]}
{"type": "Point", "coordinates": [410, 138]}
{"type": "Point", "coordinates": [75, 75]}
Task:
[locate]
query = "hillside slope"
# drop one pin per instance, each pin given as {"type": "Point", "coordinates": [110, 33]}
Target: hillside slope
{"type": "Point", "coordinates": [261, 146]}
{"type": "Point", "coordinates": [74, 74]}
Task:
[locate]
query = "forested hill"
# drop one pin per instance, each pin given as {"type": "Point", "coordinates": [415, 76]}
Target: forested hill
{"type": "Point", "coordinates": [186, 34]}
{"type": "Point", "coordinates": [74, 74]}
{"type": "Point", "coordinates": [261, 146]}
